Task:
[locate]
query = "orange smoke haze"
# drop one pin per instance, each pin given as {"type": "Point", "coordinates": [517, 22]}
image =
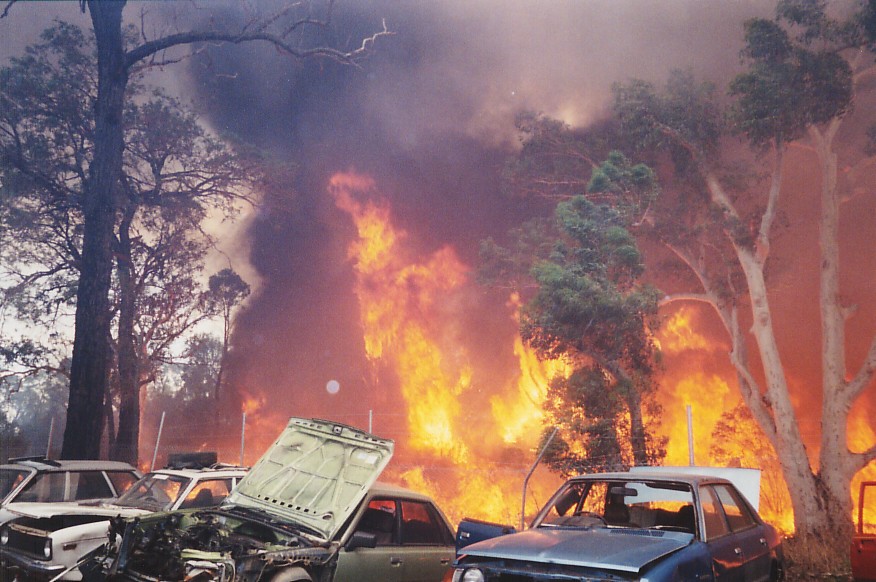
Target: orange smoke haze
{"type": "Point", "coordinates": [467, 435]}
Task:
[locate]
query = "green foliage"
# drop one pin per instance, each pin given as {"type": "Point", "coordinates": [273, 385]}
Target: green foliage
{"type": "Point", "coordinates": [555, 160]}
{"type": "Point", "coordinates": [227, 289]}
{"type": "Point", "coordinates": [586, 408]}
{"type": "Point", "coordinates": [684, 119]}
{"type": "Point", "coordinates": [589, 302]}
{"type": "Point", "coordinates": [587, 305]}
{"type": "Point", "coordinates": [200, 369]}
{"type": "Point", "coordinates": [174, 174]}
{"type": "Point", "coordinates": [788, 87]}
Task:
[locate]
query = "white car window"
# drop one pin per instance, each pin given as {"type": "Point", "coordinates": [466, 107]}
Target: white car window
{"type": "Point", "coordinates": [45, 488]}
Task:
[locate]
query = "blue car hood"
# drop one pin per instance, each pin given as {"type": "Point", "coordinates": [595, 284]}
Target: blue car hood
{"type": "Point", "coordinates": [628, 550]}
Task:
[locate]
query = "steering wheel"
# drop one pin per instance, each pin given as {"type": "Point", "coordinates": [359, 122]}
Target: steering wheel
{"type": "Point", "coordinates": [591, 514]}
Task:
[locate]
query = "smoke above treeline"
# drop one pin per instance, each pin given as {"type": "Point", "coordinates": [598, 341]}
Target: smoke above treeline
{"type": "Point", "coordinates": [430, 117]}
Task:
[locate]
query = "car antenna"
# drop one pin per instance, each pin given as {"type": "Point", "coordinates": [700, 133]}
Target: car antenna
{"type": "Point", "coordinates": [531, 470]}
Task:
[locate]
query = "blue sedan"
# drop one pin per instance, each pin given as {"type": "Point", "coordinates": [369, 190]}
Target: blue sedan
{"type": "Point", "coordinates": [629, 526]}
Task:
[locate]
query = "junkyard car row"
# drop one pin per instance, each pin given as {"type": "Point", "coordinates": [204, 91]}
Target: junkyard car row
{"type": "Point", "coordinates": [49, 539]}
{"type": "Point", "coordinates": [311, 510]}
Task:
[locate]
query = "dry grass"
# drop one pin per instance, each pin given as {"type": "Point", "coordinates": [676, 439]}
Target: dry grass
{"type": "Point", "coordinates": [808, 560]}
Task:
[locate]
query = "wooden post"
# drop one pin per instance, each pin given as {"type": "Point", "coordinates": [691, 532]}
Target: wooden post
{"type": "Point", "coordinates": [157, 441]}
{"type": "Point", "coordinates": [690, 439]}
{"type": "Point", "coordinates": [242, 436]}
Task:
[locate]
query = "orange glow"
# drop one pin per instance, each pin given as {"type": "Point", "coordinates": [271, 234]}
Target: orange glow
{"type": "Point", "coordinates": [861, 434]}
{"type": "Point", "coordinates": [250, 404]}
{"type": "Point", "coordinates": [710, 395]}
{"type": "Point", "coordinates": [525, 411]}
{"type": "Point", "coordinates": [410, 316]}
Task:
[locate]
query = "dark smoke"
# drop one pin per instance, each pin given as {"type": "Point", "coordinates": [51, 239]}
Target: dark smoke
{"type": "Point", "coordinates": [430, 116]}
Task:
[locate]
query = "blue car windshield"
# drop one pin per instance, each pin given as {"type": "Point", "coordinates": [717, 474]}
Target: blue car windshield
{"type": "Point", "coordinates": [615, 504]}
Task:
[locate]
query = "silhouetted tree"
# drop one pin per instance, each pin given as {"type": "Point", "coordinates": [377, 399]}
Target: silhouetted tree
{"type": "Point", "coordinates": [117, 59]}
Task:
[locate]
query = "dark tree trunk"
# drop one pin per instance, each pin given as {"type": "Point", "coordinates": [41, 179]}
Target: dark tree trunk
{"type": "Point", "coordinates": [91, 351]}
{"type": "Point", "coordinates": [638, 434]}
{"type": "Point", "coordinates": [125, 446]}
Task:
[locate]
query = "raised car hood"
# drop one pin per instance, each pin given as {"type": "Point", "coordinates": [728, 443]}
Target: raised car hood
{"type": "Point", "coordinates": [315, 474]}
{"type": "Point", "coordinates": [42, 510]}
{"type": "Point", "coordinates": [628, 550]}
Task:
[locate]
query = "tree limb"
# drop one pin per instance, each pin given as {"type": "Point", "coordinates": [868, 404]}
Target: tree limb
{"type": "Point", "coordinates": [865, 374]}
{"type": "Point", "coordinates": [769, 215]}
{"type": "Point", "coordinates": [7, 7]}
{"type": "Point", "coordinates": [152, 47]}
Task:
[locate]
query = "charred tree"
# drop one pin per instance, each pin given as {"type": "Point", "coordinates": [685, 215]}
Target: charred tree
{"type": "Point", "coordinates": [100, 206]}
{"type": "Point", "coordinates": [89, 367]}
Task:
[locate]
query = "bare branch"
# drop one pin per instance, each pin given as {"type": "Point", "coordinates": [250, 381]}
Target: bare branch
{"type": "Point", "coordinates": [769, 215]}
{"type": "Point", "coordinates": [147, 49]}
{"type": "Point", "coordinates": [7, 7]}
{"type": "Point", "coordinates": [697, 297]}
{"type": "Point", "coordinates": [865, 374]}
{"type": "Point", "coordinates": [862, 459]}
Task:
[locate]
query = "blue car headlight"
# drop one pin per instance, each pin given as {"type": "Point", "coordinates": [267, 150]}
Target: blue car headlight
{"type": "Point", "coordinates": [468, 575]}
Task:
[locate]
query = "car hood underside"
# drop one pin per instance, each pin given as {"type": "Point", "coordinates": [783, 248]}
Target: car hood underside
{"type": "Point", "coordinates": [315, 474]}
{"type": "Point", "coordinates": [623, 549]}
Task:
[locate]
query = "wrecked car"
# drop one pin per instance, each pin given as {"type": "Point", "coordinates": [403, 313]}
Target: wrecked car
{"type": "Point", "coordinates": [47, 540]}
{"type": "Point", "coordinates": [863, 551]}
{"type": "Point", "coordinates": [41, 480]}
{"type": "Point", "coordinates": [309, 510]}
{"type": "Point", "coordinates": [630, 526]}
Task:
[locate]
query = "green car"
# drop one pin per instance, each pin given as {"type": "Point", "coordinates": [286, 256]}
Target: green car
{"type": "Point", "coordinates": [309, 510]}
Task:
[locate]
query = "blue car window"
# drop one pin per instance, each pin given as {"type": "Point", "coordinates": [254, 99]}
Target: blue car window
{"type": "Point", "coordinates": [712, 515]}
{"type": "Point", "coordinates": [736, 511]}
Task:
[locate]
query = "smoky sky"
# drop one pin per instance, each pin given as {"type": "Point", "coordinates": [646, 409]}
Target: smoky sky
{"type": "Point", "coordinates": [430, 115]}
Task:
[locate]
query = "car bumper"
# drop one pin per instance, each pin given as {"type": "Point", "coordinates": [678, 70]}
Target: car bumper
{"type": "Point", "coordinates": [34, 568]}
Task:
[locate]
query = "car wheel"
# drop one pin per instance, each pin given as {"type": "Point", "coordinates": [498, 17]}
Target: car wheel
{"type": "Point", "coordinates": [291, 575]}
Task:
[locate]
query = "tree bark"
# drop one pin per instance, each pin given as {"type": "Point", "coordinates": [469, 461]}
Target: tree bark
{"type": "Point", "coordinates": [125, 446]}
{"type": "Point", "coordinates": [90, 361]}
{"type": "Point", "coordinates": [836, 467]}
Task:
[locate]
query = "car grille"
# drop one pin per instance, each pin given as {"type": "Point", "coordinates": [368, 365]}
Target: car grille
{"type": "Point", "coordinates": [522, 572]}
{"type": "Point", "coordinates": [26, 543]}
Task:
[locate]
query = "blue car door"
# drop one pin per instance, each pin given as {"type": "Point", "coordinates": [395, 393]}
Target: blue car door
{"type": "Point", "coordinates": [747, 531]}
{"type": "Point", "coordinates": [728, 559]}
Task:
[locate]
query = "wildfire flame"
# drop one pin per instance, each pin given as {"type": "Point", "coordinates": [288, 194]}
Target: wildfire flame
{"type": "Point", "coordinates": [710, 395]}
{"type": "Point", "coordinates": [410, 319]}
{"type": "Point", "coordinates": [468, 442]}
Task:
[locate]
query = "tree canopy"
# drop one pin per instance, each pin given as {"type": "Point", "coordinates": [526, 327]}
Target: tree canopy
{"type": "Point", "coordinates": [119, 59]}
{"type": "Point", "coordinates": [589, 306]}
{"type": "Point", "coordinates": [722, 163]}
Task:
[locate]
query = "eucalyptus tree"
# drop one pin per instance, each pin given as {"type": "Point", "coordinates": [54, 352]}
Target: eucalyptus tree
{"type": "Point", "coordinates": [586, 303]}
{"type": "Point", "coordinates": [805, 70]}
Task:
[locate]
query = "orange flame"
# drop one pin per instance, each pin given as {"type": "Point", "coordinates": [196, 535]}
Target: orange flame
{"type": "Point", "coordinates": [710, 395]}
{"type": "Point", "coordinates": [409, 312]}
